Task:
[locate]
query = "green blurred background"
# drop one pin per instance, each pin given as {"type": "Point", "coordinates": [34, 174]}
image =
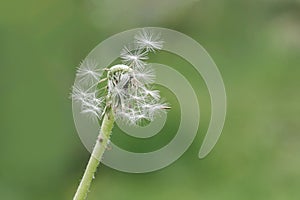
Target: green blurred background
{"type": "Point", "coordinates": [256, 45]}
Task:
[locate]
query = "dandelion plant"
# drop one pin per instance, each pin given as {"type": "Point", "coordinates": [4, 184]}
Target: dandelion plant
{"type": "Point", "coordinates": [120, 92]}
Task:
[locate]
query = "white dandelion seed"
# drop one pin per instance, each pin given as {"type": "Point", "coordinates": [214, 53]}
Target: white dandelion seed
{"type": "Point", "coordinates": [90, 103]}
{"type": "Point", "coordinates": [88, 72]}
{"type": "Point", "coordinates": [152, 93]}
{"type": "Point", "coordinates": [145, 75]}
{"type": "Point", "coordinates": [148, 40]}
{"type": "Point", "coordinates": [78, 94]}
{"type": "Point", "coordinates": [92, 107]}
{"type": "Point", "coordinates": [134, 58]}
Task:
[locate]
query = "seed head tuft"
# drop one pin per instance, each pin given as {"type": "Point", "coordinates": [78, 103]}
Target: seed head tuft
{"type": "Point", "coordinates": [129, 88]}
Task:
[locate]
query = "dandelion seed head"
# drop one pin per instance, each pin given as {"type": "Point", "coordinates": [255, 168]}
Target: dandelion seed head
{"type": "Point", "coordinates": [129, 92]}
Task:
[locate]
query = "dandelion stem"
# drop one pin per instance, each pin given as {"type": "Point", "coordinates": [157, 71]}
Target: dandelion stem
{"type": "Point", "coordinates": [100, 146]}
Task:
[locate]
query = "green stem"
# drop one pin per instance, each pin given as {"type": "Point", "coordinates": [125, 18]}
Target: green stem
{"type": "Point", "coordinates": [100, 146]}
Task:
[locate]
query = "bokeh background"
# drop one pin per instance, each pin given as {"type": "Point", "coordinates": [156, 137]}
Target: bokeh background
{"type": "Point", "coordinates": [256, 45]}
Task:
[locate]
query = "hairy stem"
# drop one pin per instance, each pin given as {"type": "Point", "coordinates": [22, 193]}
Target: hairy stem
{"type": "Point", "coordinates": [100, 146]}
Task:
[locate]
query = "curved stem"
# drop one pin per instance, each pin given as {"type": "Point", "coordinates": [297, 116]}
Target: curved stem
{"type": "Point", "coordinates": [100, 146]}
